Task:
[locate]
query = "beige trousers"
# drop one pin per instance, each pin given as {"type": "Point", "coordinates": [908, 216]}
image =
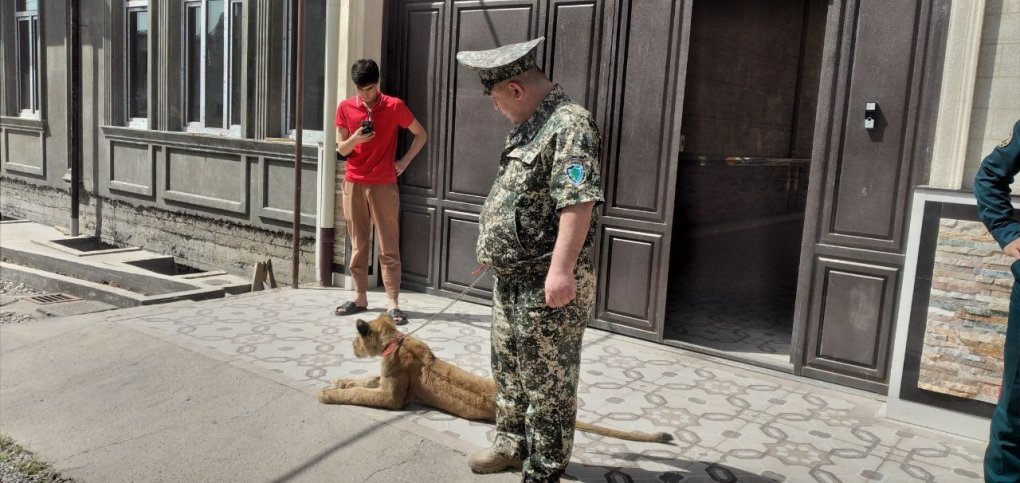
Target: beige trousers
{"type": "Point", "coordinates": [366, 205]}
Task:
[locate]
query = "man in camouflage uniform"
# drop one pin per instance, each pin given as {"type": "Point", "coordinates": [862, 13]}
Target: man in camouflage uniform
{"type": "Point", "coordinates": [536, 233]}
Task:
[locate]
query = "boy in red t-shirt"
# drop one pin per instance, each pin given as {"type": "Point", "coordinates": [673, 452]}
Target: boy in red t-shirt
{"type": "Point", "coordinates": [366, 130]}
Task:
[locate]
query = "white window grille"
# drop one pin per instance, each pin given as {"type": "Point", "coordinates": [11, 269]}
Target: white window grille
{"type": "Point", "coordinates": [212, 71]}
{"type": "Point", "coordinates": [26, 16]}
{"type": "Point", "coordinates": [315, 70]}
{"type": "Point", "coordinates": [136, 65]}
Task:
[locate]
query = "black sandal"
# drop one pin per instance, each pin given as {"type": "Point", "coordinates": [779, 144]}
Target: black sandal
{"type": "Point", "coordinates": [399, 317]}
{"type": "Point", "coordinates": [349, 308]}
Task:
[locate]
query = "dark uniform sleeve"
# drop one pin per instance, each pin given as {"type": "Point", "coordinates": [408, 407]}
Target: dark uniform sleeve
{"type": "Point", "coordinates": [575, 176]}
{"type": "Point", "coordinates": [991, 188]}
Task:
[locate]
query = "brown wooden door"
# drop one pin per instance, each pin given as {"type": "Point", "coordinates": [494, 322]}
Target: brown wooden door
{"type": "Point", "coordinates": [625, 60]}
{"type": "Point", "coordinates": [649, 46]}
{"type": "Point", "coordinates": [853, 251]}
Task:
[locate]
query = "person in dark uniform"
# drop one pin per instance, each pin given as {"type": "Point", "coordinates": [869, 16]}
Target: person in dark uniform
{"type": "Point", "coordinates": [991, 188]}
{"type": "Point", "coordinates": [536, 233]}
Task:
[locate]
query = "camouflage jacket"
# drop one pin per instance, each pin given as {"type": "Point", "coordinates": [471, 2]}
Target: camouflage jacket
{"type": "Point", "coordinates": [551, 161]}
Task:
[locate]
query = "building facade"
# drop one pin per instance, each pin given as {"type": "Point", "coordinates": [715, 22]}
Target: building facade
{"type": "Point", "coordinates": [187, 121]}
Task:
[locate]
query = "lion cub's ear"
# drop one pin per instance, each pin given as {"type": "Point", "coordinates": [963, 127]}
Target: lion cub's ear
{"type": "Point", "coordinates": [363, 328]}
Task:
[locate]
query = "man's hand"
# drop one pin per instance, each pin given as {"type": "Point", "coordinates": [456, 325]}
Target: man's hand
{"type": "Point", "coordinates": [402, 165]}
{"type": "Point", "coordinates": [360, 137]}
{"type": "Point", "coordinates": [347, 141]}
{"type": "Point", "coordinates": [1013, 249]}
{"type": "Point", "coordinates": [560, 289]}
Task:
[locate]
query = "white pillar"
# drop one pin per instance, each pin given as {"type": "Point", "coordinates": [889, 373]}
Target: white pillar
{"type": "Point", "coordinates": [361, 25]}
{"type": "Point", "coordinates": [956, 101]}
{"type": "Point", "coordinates": [326, 174]}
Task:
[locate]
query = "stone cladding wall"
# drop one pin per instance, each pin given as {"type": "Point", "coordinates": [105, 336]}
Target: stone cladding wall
{"type": "Point", "coordinates": [967, 313]}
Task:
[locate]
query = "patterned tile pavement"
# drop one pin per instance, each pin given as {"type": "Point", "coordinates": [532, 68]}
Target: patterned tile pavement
{"type": "Point", "coordinates": [730, 423]}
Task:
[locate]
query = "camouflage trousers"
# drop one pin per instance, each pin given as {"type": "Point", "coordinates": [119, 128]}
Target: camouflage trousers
{"type": "Point", "coordinates": [536, 354]}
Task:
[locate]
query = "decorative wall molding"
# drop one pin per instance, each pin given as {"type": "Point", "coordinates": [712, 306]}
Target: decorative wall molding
{"type": "Point", "coordinates": [959, 74]}
{"type": "Point", "coordinates": [285, 213]}
{"type": "Point", "coordinates": [148, 167]}
{"type": "Point", "coordinates": [207, 200]}
{"type": "Point", "coordinates": [11, 165]}
{"type": "Point", "coordinates": [208, 143]}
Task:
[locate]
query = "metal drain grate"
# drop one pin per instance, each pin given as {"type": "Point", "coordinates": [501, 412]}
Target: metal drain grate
{"type": "Point", "coordinates": [52, 298]}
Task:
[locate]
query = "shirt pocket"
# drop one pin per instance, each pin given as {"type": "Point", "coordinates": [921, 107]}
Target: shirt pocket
{"type": "Point", "coordinates": [518, 173]}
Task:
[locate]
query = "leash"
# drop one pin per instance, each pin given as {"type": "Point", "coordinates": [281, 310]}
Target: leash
{"type": "Point", "coordinates": [458, 299]}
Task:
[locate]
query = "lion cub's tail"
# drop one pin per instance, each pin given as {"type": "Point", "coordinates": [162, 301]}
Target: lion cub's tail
{"type": "Point", "coordinates": [628, 435]}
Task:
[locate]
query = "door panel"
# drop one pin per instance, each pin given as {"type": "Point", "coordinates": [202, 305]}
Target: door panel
{"type": "Point", "coordinates": [855, 316]}
{"type": "Point", "coordinates": [421, 76]}
{"type": "Point", "coordinates": [417, 235]}
{"type": "Point", "coordinates": [477, 131]}
{"type": "Point", "coordinates": [574, 36]}
{"type": "Point", "coordinates": [861, 216]}
{"type": "Point", "coordinates": [460, 232]}
{"type": "Point", "coordinates": [627, 294]}
{"type": "Point", "coordinates": [644, 145]}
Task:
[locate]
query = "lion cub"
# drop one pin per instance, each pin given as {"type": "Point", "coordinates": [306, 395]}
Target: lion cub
{"type": "Point", "coordinates": [411, 373]}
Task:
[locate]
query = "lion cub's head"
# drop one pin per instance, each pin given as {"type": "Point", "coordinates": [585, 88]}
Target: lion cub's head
{"type": "Point", "coordinates": [373, 336]}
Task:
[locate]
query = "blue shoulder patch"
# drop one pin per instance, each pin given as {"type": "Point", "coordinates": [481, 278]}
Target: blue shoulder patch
{"type": "Point", "coordinates": [575, 173]}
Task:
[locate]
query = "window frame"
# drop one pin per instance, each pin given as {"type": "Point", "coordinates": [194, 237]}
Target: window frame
{"type": "Point", "coordinates": [35, 104]}
{"type": "Point", "coordinates": [200, 126]}
{"type": "Point", "coordinates": [134, 6]}
{"type": "Point", "coordinates": [309, 136]}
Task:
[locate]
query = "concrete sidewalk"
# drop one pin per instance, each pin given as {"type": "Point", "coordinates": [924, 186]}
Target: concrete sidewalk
{"type": "Point", "coordinates": [106, 402]}
{"type": "Point", "coordinates": [224, 390]}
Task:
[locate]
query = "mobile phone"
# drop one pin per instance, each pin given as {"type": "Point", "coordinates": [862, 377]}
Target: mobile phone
{"type": "Point", "coordinates": [366, 126]}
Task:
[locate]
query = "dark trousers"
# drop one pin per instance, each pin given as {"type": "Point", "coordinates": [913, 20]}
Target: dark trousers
{"type": "Point", "coordinates": [1002, 458]}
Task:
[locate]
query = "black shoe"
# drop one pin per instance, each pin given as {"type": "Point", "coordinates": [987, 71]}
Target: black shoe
{"type": "Point", "coordinates": [399, 317]}
{"type": "Point", "coordinates": [349, 308]}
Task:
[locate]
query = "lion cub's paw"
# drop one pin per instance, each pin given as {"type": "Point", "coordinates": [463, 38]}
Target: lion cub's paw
{"type": "Point", "coordinates": [326, 396]}
{"type": "Point", "coordinates": [342, 383]}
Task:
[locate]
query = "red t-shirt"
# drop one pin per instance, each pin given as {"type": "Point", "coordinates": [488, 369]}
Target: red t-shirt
{"type": "Point", "coordinates": [374, 162]}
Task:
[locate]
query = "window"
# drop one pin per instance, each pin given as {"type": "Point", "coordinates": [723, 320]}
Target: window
{"type": "Point", "coordinates": [212, 76]}
{"type": "Point", "coordinates": [137, 63]}
{"type": "Point", "coordinates": [26, 15]}
{"type": "Point", "coordinates": [315, 69]}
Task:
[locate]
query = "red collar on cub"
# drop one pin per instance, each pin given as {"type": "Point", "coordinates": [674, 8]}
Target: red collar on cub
{"type": "Point", "coordinates": [392, 346]}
